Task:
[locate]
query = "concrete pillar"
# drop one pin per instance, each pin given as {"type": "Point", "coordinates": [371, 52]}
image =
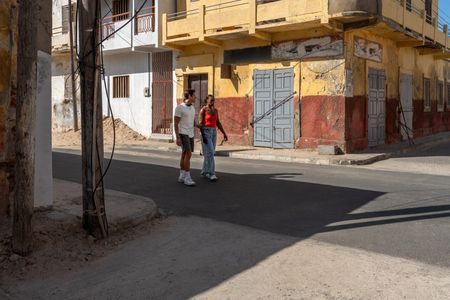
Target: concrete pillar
{"type": "Point", "coordinates": [43, 186]}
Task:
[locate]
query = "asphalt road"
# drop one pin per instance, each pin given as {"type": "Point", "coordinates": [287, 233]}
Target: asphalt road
{"type": "Point", "coordinates": [399, 214]}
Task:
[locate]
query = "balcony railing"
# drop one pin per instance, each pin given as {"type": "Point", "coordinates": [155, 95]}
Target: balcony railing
{"type": "Point", "coordinates": [235, 16]}
{"type": "Point", "coordinates": [415, 18]}
{"type": "Point", "coordinates": [246, 16]}
{"type": "Point", "coordinates": [108, 24]}
{"type": "Point", "coordinates": [145, 21]}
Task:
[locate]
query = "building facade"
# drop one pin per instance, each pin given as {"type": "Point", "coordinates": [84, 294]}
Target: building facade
{"type": "Point", "coordinates": [303, 73]}
{"type": "Point", "coordinates": [138, 71]}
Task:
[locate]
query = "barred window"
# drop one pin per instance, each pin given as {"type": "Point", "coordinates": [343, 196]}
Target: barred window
{"type": "Point", "coordinates": [429, 11]}
{"type": "Point", "coordinates": [408, 5]}
{"type": "Point", "coordinates": [121, 10]}
{"type": "Point", "coordinates": [427, 94]}
{"type": "Point", "coordinates": [121, 86]}
{"type": "Point", "coordinates": [440, 95]}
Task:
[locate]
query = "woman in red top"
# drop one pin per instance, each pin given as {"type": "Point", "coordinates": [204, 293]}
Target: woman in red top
{"type": "Point", "coordinates": [209, 121]}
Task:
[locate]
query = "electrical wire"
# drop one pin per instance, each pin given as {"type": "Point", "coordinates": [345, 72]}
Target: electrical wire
{"type": "Point", "coordinates": [118, 29]}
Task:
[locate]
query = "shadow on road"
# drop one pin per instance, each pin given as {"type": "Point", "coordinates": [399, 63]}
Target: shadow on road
{"type": "Point", "coordinates": [270, 202]}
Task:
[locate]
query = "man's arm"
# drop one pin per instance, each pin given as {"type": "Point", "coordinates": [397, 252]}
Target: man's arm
{"type": "Point", "coordinates": [177, 134]}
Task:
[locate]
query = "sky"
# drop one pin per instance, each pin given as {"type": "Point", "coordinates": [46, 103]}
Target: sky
{"type": "Point", "coordinates": [444, 7]}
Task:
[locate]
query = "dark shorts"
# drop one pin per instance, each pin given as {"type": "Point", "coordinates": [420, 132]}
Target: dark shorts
{"type": "Point", "coordinates": [187, 143]}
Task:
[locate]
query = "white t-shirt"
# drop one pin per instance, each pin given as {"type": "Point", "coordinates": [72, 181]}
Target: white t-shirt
{"type": "Point", "coordinates": [187, 115]}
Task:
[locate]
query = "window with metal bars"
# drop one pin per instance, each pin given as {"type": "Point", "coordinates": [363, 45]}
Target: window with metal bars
{"type": "Point", "coordinates": [429, 11]}
{"type": "Point", "coordinates": [409, 5]}
{"type": "Point", "coordinates": [427, 94]}
{"type": "Point", "coordinates": [121, 10]}
{"type": "Point", "coordinates": [121, 86]}
{"type": "Point", "coordinates": [440, 96]}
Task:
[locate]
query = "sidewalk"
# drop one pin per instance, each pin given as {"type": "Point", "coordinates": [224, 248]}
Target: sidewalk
{"type": "Point", "coordinates": [68, 201]}
{"type": "Point", "coordinates": [287, 155]}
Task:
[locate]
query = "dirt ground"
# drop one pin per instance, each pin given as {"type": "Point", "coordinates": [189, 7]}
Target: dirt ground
{"type": "Point", "coordinates": [124, 135]}
{"type": "Point", "coordinates": [60, 244]}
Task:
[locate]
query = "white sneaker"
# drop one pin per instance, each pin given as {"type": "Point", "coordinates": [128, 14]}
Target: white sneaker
{"type": "Point", "coordinates": [181, 178]}
{"type": "Point", "coordinates": [213, 178]}
{"type": "Point", "coordinates": [188, 181]}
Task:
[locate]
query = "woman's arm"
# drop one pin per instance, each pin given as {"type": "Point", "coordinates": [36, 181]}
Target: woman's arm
{"type": "Point", "coordinates": [219, 125]}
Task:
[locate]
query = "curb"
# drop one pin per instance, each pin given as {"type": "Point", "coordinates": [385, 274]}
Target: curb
{"type": "Point", "coordinates": [292, 159]}
{"type": "Point", "coordinates": [128, 222]}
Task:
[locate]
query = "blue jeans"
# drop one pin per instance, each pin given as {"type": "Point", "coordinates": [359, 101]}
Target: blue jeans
{"type": "Point", "coordinates": [209, 149]}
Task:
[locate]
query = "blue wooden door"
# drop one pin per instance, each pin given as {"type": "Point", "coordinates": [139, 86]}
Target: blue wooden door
{"type": "Point", "coordinates": [273, 108]}
{"type": "Point", "coordinates": [283, 115]}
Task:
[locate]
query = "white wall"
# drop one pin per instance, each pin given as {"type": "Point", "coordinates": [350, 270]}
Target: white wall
{"type": "Point", "coordinates": [61, 108]}
{"type": "Point", "coordinates": [135, 111]}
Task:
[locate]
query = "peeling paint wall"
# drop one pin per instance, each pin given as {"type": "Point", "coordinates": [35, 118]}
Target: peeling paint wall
{"type": "Point", "coordinates": [234, 96]}
{"type": "Point", "coordinates": [8, 83]}
{"type": "Point", "coordinates": [396, 61]}
{"type": "Point", "coordinates": [62, 102]}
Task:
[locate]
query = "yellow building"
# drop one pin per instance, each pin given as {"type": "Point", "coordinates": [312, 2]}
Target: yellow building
{"type": "Point", "coordinates": [301, 73]}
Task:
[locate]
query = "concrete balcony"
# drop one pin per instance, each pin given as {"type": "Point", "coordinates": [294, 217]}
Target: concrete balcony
{"type": "Point", "coordinates": [60, 41]}
{"type": "Point", "coordinates": [237, 18]}
{"type": "Point", "coordinates": [220, 20]}
{"type": "Point", "coordinates": [120, 34]}
{"type": "Point", "coordinates": [422, 28]}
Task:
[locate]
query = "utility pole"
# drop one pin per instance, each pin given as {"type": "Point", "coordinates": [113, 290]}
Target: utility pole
{"type": "Point", "coordinates": [22, 230]}
{"type": "Point", "coordinates": [94, 218]}
{"type": "Point", "coordinates": [72, 62]}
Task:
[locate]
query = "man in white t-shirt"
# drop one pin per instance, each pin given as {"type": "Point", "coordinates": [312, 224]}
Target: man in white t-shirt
{"type": "Point", "coordinates": [184, 131]}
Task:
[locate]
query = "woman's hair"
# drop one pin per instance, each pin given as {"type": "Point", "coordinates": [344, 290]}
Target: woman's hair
{"type": "Point", "coordinates": [209, 97]}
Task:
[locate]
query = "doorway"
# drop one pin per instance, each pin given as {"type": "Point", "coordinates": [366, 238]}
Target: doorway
{"type": "Point", "coordinates": [273, 97]}
{"type": "Point", "coordinates": [406, 112]}
{"type": "Point", "coordinates": [162, 86]}
{"type": "Point", "coordinates": [376, 107]}
{"type": "Point", "coordinates": [199, 83]}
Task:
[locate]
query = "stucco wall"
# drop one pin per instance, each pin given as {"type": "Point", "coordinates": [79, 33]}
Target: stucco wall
{"type": "Point", "coordinates": [62, 107]}
{"type": "Point", "coordinates": [135, 111]}
{"type": "Point", "coordinates": [8, 83]}
{"type": "Point", "coordinates": [319, 84]}
{"type": "Point", "coordinates": [396, 61]}
{"type": "Point", "coordinates": [371, 7]}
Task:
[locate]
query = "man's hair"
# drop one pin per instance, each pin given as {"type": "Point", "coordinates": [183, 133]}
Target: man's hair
{"type": "Point", "coordinates": [189, 93]}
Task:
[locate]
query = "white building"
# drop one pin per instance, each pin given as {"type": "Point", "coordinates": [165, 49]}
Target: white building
{"type": "Point", "coordinates": [139, 73]}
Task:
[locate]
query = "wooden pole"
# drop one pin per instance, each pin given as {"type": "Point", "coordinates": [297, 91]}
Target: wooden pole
{"type": "Point", "coordinates": [94, 219]}
{"type": "Point", "coordinates": [22, 230]}
{"type": "Point", "coordinates": [72, 63]}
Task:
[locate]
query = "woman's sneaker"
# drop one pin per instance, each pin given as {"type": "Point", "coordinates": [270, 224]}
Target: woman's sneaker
{"type": "Point", "coordinates": [188, 181]}
{"type": "Point", "coordinates": [213, 177]}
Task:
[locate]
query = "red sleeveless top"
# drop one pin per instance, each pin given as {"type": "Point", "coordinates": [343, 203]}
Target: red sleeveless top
{"type": "Point", "coordinates": [210, 120]}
